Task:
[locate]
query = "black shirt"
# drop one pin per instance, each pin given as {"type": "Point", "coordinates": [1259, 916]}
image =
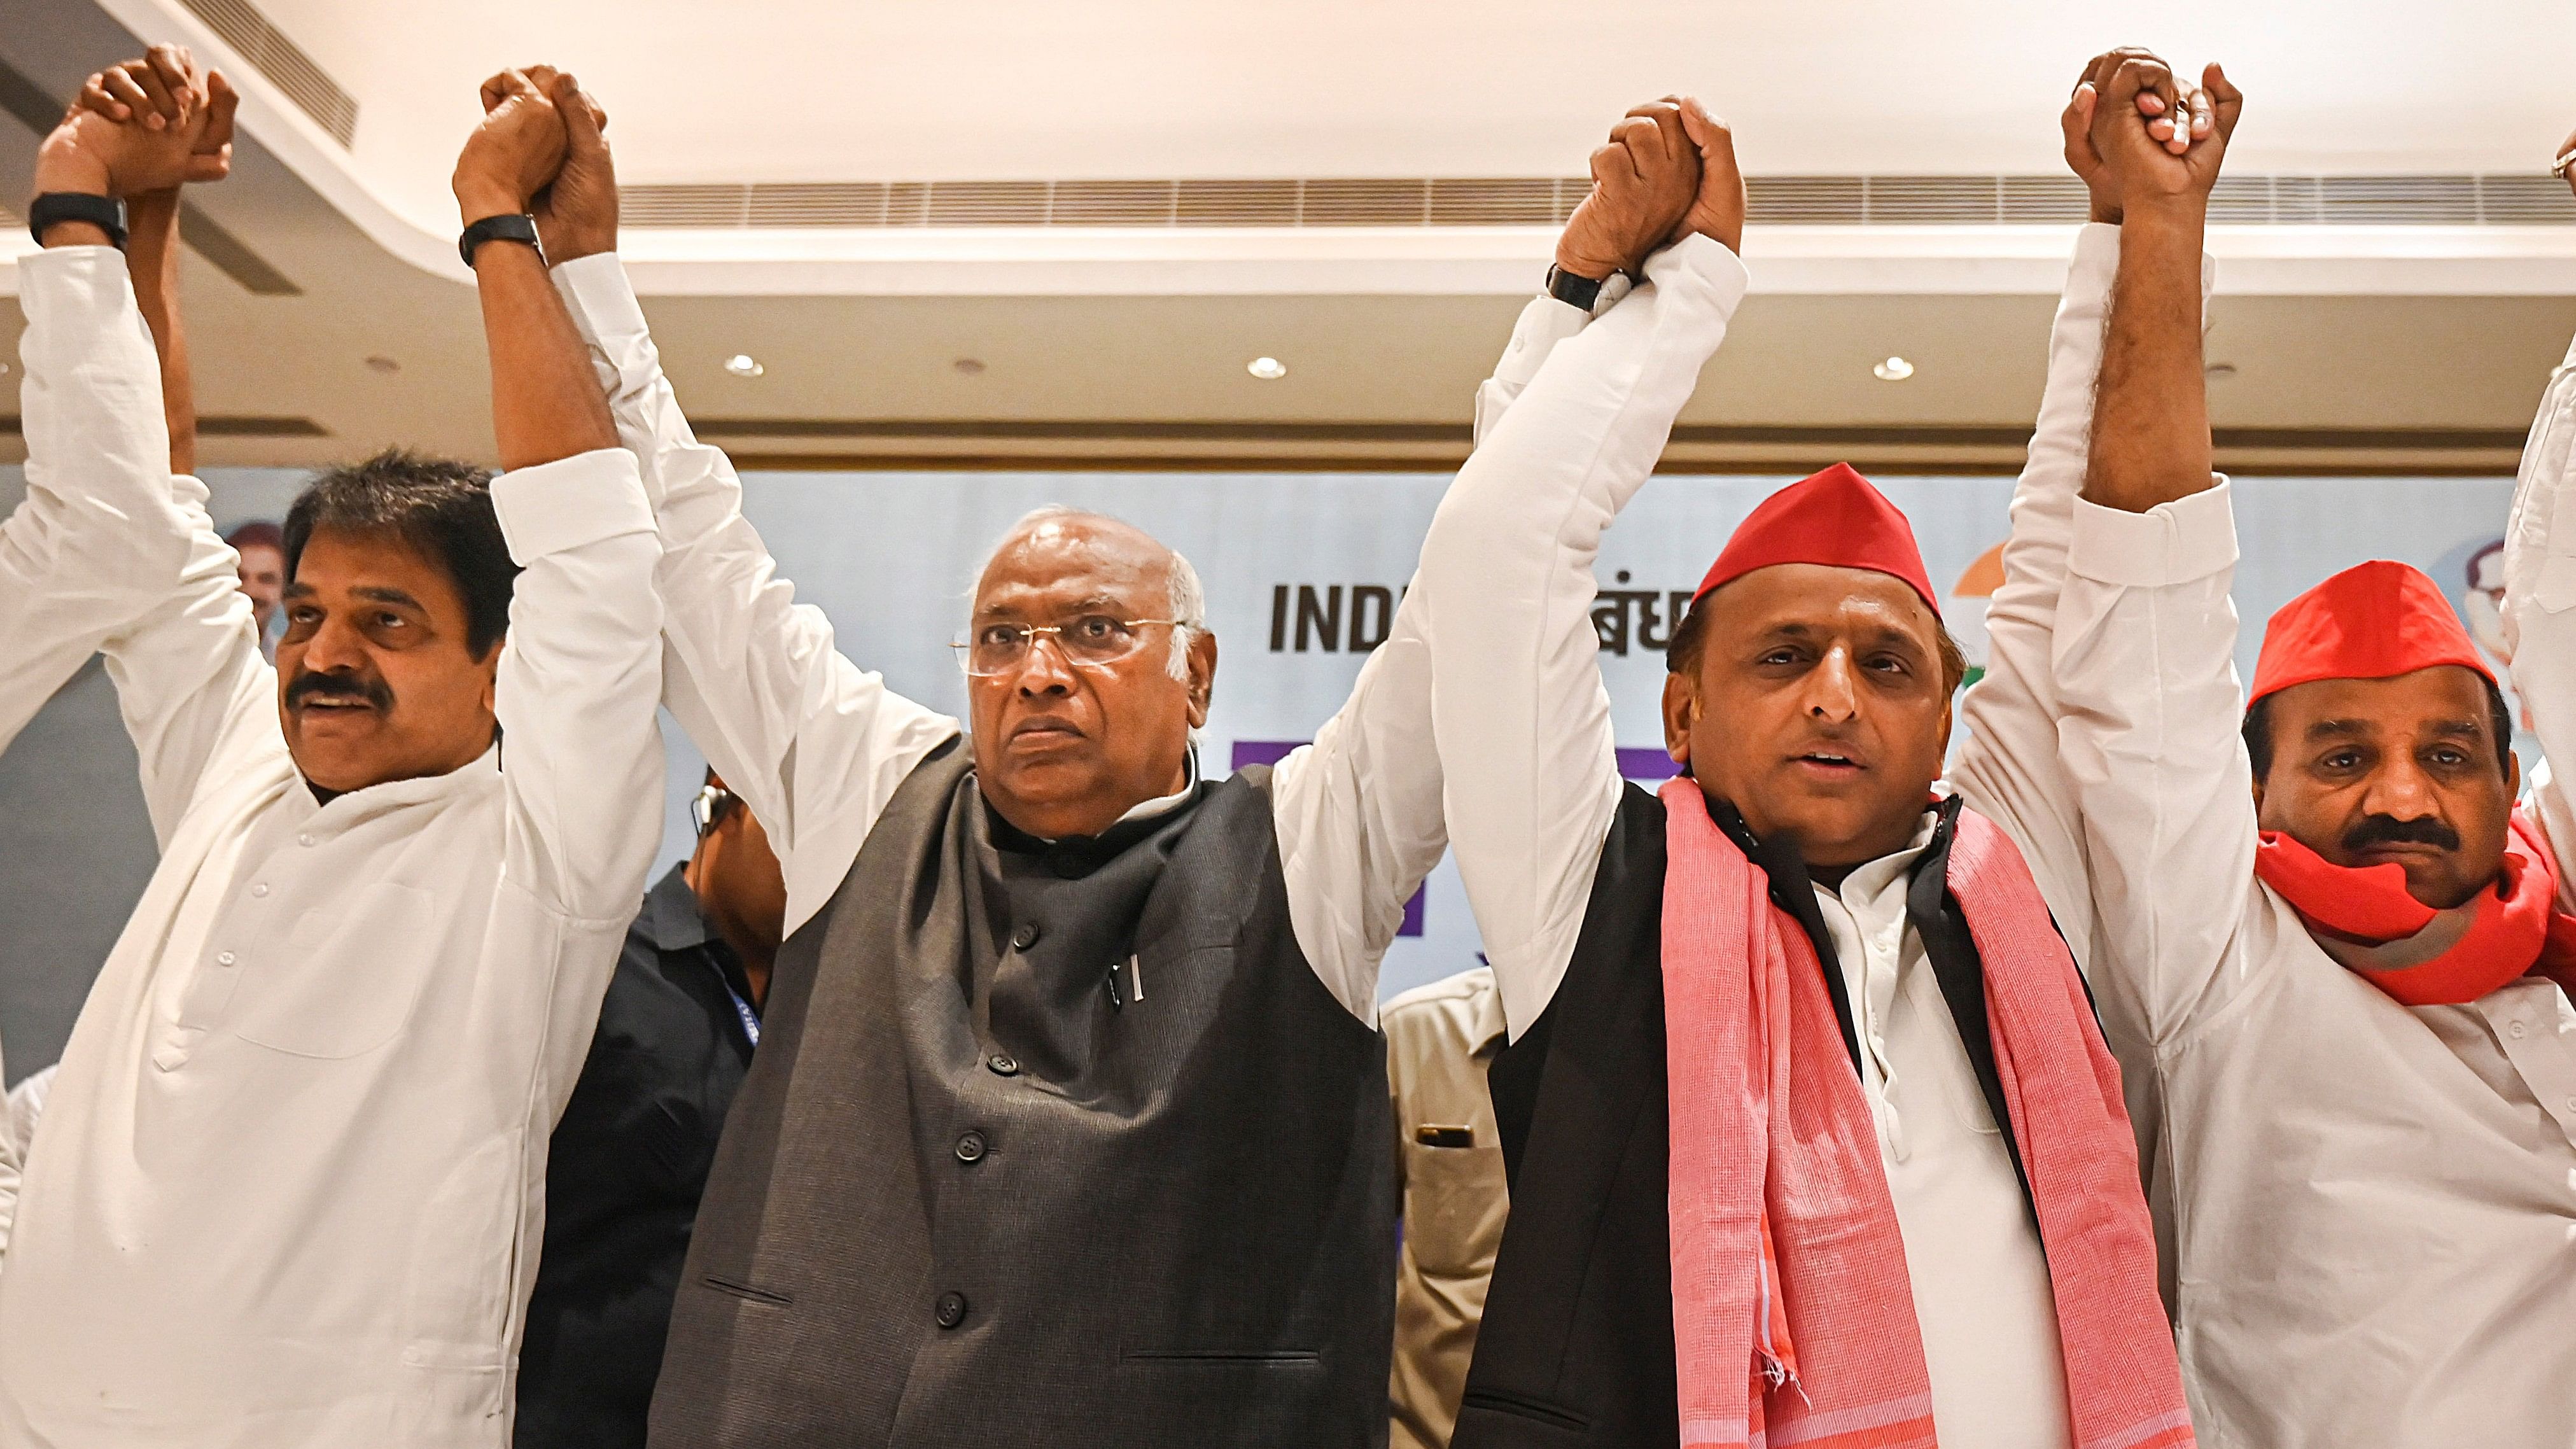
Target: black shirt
{"type": "Point", "coordinates": [629, 1160]}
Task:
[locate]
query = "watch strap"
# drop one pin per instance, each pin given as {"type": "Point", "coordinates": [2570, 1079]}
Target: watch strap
{"type": "Point", "coordinates": [508, 226]}
{"type": "Point", "coordinates": [1579, 293]}
{"type": "Point", "coordinates": [107, 213]}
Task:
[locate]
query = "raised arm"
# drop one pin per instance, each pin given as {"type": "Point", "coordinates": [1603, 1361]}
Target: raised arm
{"type": "Point", "coordinates": [2145, 634]}
{"type": "Point", "coordinates": [163, 83]}
{"type": "Point", "coordinates": [2540, 599]}
{"type": "Point", "coordinates": [580, 675]}
{"type": "Point", "coordinates": [110, 550]}
{"type": "Point", "coordinates": [1519, 714]}
{"type": "Point", "coordinates": [2008, 765]}
{"type": "Point", "coordinates": [814, 745]}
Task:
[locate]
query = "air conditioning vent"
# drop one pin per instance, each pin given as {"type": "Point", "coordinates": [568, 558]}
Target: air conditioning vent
{"type": "Point", "coordinates": [287, 67]}
{"type": "Point", "coordinates": [2524, 201]}
{"type": "Point", "coordinates": [1805, 200]}
{"type": "Point", "coordinates": [693, 206]}
{"type": "Point", "coordinates": [2400, 200]}
{"type": "Point", "coordinates": [2040, 200]}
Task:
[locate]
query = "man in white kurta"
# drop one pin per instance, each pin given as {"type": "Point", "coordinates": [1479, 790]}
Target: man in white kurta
{"type": "Point", "coordinates": [1526, 738]}
{"type": "Point", "coordinates": [295, 1154]}
{"type": "Point", "coordinates": [2369, 1208]}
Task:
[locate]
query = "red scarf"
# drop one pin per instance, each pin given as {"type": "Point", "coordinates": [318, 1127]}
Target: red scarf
{"type": "Point", "coordinates": [1793, 1318]}
{"type": "Point", "coordinates": [2516, 930]}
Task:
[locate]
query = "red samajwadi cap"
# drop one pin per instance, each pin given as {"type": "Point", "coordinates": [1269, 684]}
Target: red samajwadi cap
{"type": "Point", "coordinates": [2372, 621]}
{"type": "Point", "coordinates": [1835, 518]}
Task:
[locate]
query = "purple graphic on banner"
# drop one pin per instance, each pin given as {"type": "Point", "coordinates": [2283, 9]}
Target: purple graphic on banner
{"type": "Point", "coordinates": [1646, 767]}
{"type": "Point", "coordinates": [1271, 752]}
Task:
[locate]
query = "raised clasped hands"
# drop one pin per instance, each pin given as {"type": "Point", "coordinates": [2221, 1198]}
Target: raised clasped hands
{"type": "Point", "coordinates": [542, 148]}
{"type": "Point", "coordinates": [2138, 136]}
{"type": "Point", "coordinates": [142, 128]}
{"type": "Point", "coordinates": [1667, 171]}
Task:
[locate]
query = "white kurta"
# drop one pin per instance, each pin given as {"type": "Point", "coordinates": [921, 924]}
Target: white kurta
{"type": "Point", "coordinates": [1572, 424]}
{"type": "Point", "coordinates": [294, 1163]}
{"type": "Point", "coordinates": [816, 746]}
{"type": "Point", "coordinates": [2370, 1209]}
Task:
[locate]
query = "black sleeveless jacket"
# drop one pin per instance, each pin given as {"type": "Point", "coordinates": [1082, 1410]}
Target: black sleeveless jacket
{"type": "Point", "coordinates": [1576, 1348]}
{"type": "Point", "coordinates": [979, 1188]}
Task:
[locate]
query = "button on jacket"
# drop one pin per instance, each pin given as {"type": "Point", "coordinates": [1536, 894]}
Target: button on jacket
{"type": "Point", "coordinates": [294, 1158]}
{"type": "Point", "coordinates": [1450, 1184]}
{"type": "Point", "coordinates": [623, 1177]}
{"type": "Point", "coordinates": [2369, 1209]}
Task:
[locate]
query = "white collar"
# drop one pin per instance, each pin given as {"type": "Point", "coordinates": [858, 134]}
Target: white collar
{"type": "Point", "coordinates": [1866, 880]}
{"type": "Point", "coordinates": [1165, 804]}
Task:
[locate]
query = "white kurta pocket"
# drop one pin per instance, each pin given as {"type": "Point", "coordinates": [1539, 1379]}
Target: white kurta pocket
{"type": "Point", "coordinates": [346, 978]}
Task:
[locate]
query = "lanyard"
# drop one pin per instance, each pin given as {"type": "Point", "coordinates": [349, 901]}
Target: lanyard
{"type": "Point", "coordinates": [741, 1008]}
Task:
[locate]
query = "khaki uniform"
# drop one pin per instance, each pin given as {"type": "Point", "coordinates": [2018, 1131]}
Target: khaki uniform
{"type": "Point", "coordinates": [1449, 1171]}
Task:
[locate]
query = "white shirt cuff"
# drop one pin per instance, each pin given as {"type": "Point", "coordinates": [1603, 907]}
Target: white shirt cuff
{"type": "Point", "coordinates": [2097, 265]}
{"type": "Point", "coordinates": [69, 291]}
{"type": "Point", "coordinates": [1702, 264]}
{"type": "Point", "coordinates": [600, 297]}
{"type": "Point", "coordinates": [2171, 543]}
{"type": "Point", "coordinates": [2097, 256]}
{"type": "Point", "coordinates": [570, 503]}
{"type": "Point", "coordinates": [1544, 323]}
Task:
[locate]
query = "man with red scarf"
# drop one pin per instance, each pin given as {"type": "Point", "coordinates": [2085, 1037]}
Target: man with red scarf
{"type": "Point", "coordinates": [2335, 953]}
{"type": "Point", "coordinates": [1813, 1136]}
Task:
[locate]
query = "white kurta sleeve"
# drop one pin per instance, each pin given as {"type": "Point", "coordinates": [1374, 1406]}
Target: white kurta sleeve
{"type": "Point", "coordinates": [2151, 732]}
{"type": "Point", "coordinates": [1359, 810]}
{"type": "Point", "coordinates": [1519, 713]}
{"type": "Point", "coordinates": [2540, 605]}
{"type": "Point", "coordinates": [2008, 767]}
{"type": "Point", "coordinates": [580, 679]}
{"type": "Point", "coordinates": [813, 744]}
{"type": "Point", "coordinates": [12, 1154]}
{"type": "Point", "coordinates": [111, 553]}
{"type": "Point", "coordinates": [1544, 323]}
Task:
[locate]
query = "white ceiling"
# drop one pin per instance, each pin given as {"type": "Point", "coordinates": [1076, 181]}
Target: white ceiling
{"type": "Point", "coordinates": [835, 90]}
{"type": "Point", "coordinates": [1128, 346]}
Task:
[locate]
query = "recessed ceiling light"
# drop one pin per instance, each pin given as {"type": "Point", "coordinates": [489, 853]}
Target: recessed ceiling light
{"type": "Point", "coordinates": [382, 363]}
{"type": "Point", "coordinates": [743, 364]}
{"type": "Point", "coordinates": [1268, 369]}
{"type": "Point", "coordinates": [1894, 369]}
{"type": "Point", "coordinates": [970, 366]}
{"type": "Point", "coordinates": [2218, 370]}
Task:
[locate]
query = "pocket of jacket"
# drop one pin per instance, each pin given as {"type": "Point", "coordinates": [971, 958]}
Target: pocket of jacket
{"type": "Point", "coordinates": [747, 1293]}
{"type": "Point", "coordinates": [1223, 1357]}
{"type": "Point", "coordinates": [1515, 1406]}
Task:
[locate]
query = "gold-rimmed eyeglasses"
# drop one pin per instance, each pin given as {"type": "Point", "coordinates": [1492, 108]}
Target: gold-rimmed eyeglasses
{"type": "Point", "coordinates": [1092, 641]}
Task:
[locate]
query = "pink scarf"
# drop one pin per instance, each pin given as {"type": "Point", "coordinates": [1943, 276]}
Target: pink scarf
{"type": "Point", "coordinates": [1792, 1312]}
{"type": "Point", "coordinates": [2516, 929]}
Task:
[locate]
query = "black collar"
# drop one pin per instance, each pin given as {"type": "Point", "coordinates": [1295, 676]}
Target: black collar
{"type": "Point", "coordinates": [1076, 856]}
{"type": "Point", "coordinates": [1794, 891]}
{"type": "Point", "coordinates": [671, 918]}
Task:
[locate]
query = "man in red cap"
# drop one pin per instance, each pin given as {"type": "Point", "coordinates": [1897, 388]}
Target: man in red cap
{"type": "Point", "coordinates": [2335, 956]}
{"type": "Point", "coordinates": [1813, 1137]}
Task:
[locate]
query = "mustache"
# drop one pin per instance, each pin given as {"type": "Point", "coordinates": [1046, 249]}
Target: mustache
{"type": "Point", "coordinates": [2389, 830]}
{"type": "Point", "coordinates": [338, 689]}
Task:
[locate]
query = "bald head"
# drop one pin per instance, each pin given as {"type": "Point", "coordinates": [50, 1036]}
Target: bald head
{"type": "Point", "coordinates": [1054, 541]}
{"type": "Point", "coordinates": [1068, 736]}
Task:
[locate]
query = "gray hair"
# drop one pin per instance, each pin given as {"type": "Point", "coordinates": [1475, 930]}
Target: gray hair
{"type": "Point", "coordinates": [1188, 602]}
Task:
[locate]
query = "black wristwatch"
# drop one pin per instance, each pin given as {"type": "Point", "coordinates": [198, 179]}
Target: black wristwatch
{"type": "Point", "coordinates": [509, 226]}
{"type": "Point", "coordinates": [107, 213]}
{"type": "Point", "coordinates": [1577, 292]}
